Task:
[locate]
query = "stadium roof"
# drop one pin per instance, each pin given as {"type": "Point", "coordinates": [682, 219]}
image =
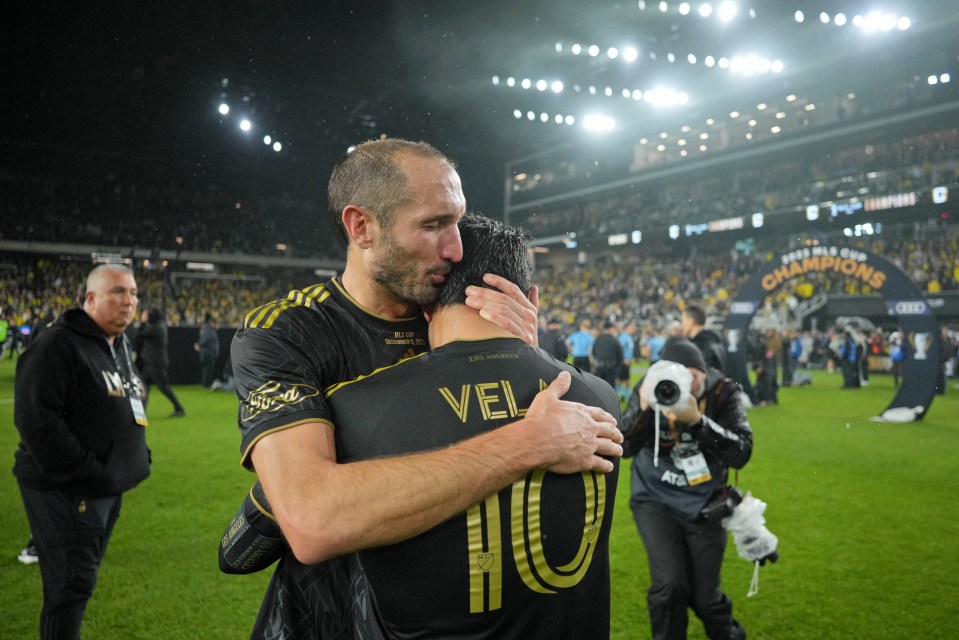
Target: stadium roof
{"type": "Point", "coordinates": [149, 79]}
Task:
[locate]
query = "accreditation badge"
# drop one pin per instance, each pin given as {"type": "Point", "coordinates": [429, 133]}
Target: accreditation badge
{"type": "Point", "coordinates": [696, 469]}
{"type": "Point", "coordinates": [139, 413]}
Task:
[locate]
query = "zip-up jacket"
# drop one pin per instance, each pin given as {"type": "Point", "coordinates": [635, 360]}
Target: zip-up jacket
{"type": "Point", "coordinates": [723, 436]}
{"type": "Point", "coordinates": [72, 407]}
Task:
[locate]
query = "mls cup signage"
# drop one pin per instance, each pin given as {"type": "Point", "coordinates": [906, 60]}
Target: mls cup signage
{"type": "Point", "coordinates": [903, 299]}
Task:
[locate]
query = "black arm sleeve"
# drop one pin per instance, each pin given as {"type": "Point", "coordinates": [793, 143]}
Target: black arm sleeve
{"type": "Point", "coordinates": [636, 425]}
{"type": "Point", "coordinates": [253, 541]}
{"type": "Point", "coordinates": [725, 433]}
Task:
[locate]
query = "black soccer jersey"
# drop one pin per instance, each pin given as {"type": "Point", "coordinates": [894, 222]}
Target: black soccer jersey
{"type": "Point", "coordinates": [531, 562]}
{"type": "Point", "coordinates": [288, 351]}
{"type": "Point", "coordinates": [284, 356]}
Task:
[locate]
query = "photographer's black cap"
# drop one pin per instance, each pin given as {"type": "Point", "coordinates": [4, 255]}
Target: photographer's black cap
{"type": "Point", "coordinates": [681, 350]}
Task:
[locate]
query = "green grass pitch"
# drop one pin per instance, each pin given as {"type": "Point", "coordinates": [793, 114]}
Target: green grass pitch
{"type": "Point", "coordinates": [866, 514]}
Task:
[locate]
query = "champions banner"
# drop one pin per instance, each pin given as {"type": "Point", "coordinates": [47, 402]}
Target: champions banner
{"type": "Point", "coordinates": [903, 299]}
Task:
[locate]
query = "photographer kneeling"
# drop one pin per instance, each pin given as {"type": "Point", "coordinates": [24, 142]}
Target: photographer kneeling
{"type": "Point", "coordinates": [678, 485]}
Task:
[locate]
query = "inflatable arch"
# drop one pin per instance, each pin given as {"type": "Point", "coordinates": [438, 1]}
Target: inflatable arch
{"type": "Point", "coordinates": [905, 301]}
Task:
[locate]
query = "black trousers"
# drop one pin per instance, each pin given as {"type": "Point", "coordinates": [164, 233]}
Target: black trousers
{"type": "Point", "coordinates": [70, 533]}
{"type": "Point", "coordinates": [159, 376]}
{"type": "Point", "coordinates": [207, 370]}
{"type": "Point", "coordinates": [685, 559]}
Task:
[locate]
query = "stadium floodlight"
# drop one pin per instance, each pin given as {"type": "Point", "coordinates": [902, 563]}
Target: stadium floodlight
{"type": "Point", "coordinates": [526, 83]}
{"type": "Point", "coordinates": [840, 19]}
{"type": "Point", "coordinates": [245, 125]}
{"type": "Point", "coordinates": [592, 90]}
{"type": "Point", "coordinates": [570, 120]}
{"type": "Point", "coordinates": [684, 8]}
{"type": "Point", "coordinates": [267, 140]}
{"type": "Point", "coordinates": [932, 79]}
{"type": "Point", "coordinates": [824, 17]}
{"type": "Point", "coordinates": [541, 85]}
{"type": "Point", "coordinates": [705, 10]}
{"type": "Point", "coordinates": [495, 81]}
{"type": "Point", "coordinates": [559, 47]}
{"type": "Point", "coordinates": [544, 117]}
{"type": "Point", "coordinates": [727, 11]}
{"type": "Point", "coordinates": [630, 54]}
{"type": "Point", "coordinates": [598, 123]}
{"type": "Point", "coordinates": [609, 92]}
{"type": "Point", "coordinates": [777, 66]}
{"type": "Point", "coordinates": [709, 61]}
{"type": "Point", "coordinates": [530, 116]}
{"type": "Point", "coordinates": [556, 86]}
{"type": "Point", "coordinates": [576, 49]}
{"type": "Point", "coordinates": [691, 58]}
{"type": "Point", "coordinates": [593, 50]}
{"type": "Point", "coordinates": [734, 114]}
{"type": "Point", "coordinates": [775, 129]}
{"type": "Point", "coordinates": [511, 81]}
{"type": "Point", "coordinates": [277, 147]}
{"type": "Point", "coordinates": [627, 93]}
{"type": "Point", "coordinates": [558, 119]}
{"type": "Point", "coordinates": [612, 53]}
{"type": "Point", "coordinates": [224, 109]}
{"type": "Point", "coordinates": [671, 57]}
{"type": "Point", "coordinates": [517, 114]}
{"type": "Point", "coordinates": [945, 78]}
{"type": "Point", "coordinates": [799, 16]}
{"type": "Point", "coordinates": [903, 23]}
{"type": "Point", "coordinates": [637, 95]}
{"type": "Point", "coordinates": [663, 7]}
{"type": "Point", "coordinates": [791, 97]}
{"type": "Point", "coordinates": [753, 122]}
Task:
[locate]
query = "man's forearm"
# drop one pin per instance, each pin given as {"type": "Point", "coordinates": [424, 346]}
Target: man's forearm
{"type": "Point", "coordinates": [348, 507]}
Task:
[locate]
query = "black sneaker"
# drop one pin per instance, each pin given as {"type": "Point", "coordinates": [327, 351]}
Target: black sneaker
{"type": "Point", "coordinates": [28, 555]}
{"type": "Point", "coordinates": [179, 413]}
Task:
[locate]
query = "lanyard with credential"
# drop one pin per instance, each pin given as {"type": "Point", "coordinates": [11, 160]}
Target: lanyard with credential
{"type": "Point", "coordinates": [125, 367]}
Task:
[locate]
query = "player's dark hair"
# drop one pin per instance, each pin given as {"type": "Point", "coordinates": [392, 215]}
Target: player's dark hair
{"type": "Point", "coordinates": [489, 246]}
{"type": "Point", "coordinates": [370, 176]}
{"type": "Point", "coordinates": [697, 314]}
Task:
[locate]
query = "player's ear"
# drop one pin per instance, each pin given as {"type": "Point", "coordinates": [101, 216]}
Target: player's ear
{"type": "Point", "coordinates": [358, 222]}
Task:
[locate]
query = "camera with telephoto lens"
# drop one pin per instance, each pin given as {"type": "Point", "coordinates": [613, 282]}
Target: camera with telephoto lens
{"type": "Point", "coordinates": [667, 385]}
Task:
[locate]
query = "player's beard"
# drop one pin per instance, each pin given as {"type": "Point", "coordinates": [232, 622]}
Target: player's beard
{"type": "Point", "coordinates": [399, 274]}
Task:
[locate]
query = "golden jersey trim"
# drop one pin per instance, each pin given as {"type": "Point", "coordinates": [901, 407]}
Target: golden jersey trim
{"type": "Point", "coordinates": [245, 459]}
{"type": "Point", "coordinates": [339, 287]}
{"type": "Point", "coordinates": [339, 385]}
{"type": "Point", "coordinates": [265, 315]}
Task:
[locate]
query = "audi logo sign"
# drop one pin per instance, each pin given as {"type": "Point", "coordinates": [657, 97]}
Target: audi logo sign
{"type": "Point", "coordinates": [742, 308]}
{"type": "Point", "coordinates": [911, 308]}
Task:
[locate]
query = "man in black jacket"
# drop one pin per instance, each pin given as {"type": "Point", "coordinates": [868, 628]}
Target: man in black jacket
{"type": "Point", "coordinates": [153, 338]}
{"type": "Point", "coordinates": [78, 408]}
{"type": "Point", "coordinates": [710, 343]}
{"type": "Point", "coordinates": [553, 342]}
{"type": "Point", "coordinates": [672, 485]}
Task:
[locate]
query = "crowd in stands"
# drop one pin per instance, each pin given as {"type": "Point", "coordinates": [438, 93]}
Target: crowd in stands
{"type": "Point", "coordinates": [915, 163]}
{"type": "Point", "coordinates": [133, 204]}
{"type": "Point", "coordinates": [649, 290]}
